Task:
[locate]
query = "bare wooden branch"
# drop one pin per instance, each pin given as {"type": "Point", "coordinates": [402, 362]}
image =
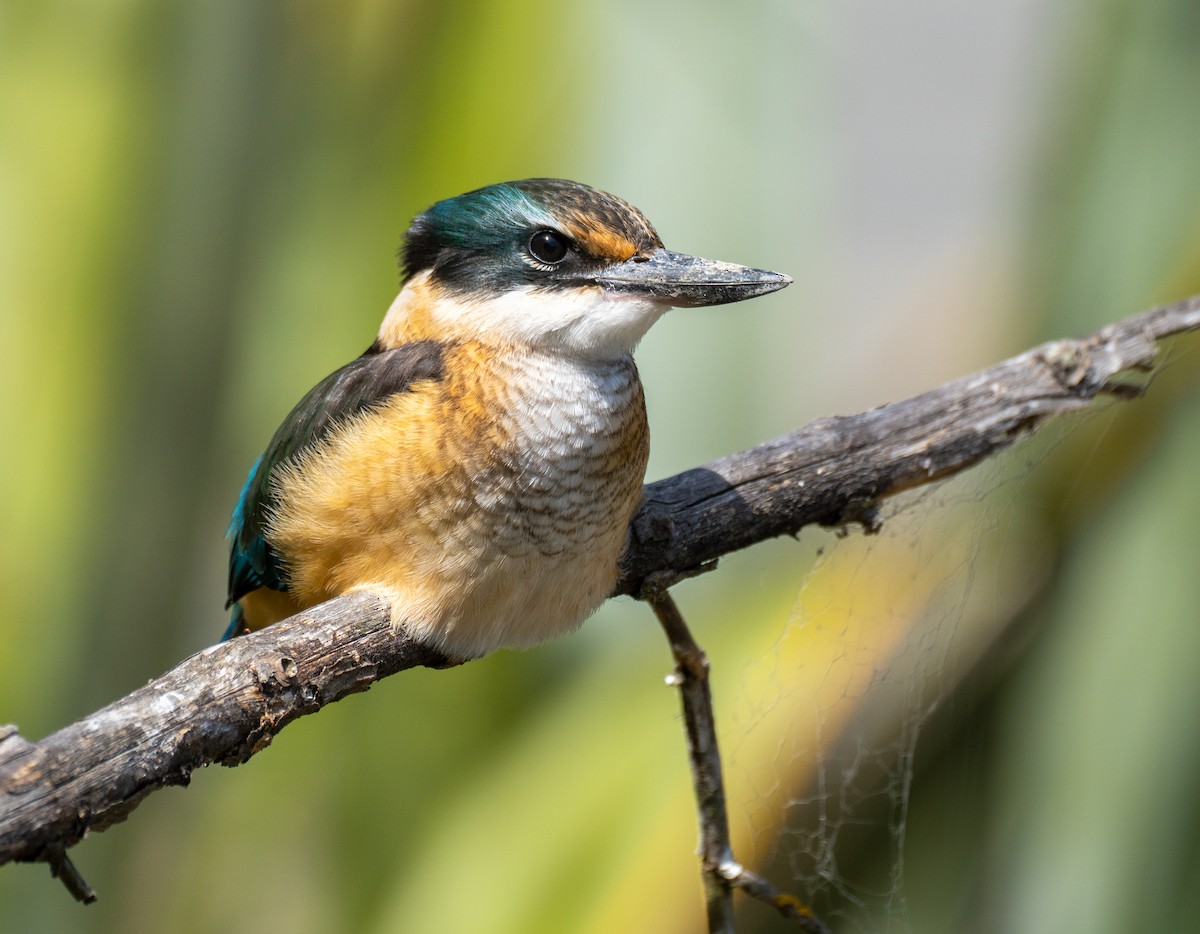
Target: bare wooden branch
{"type": "Point", "coordinates": [227, 702]}
{"type": "Point", "coordinates": [222, 705]}
{"type": "Point", "coordinates": [835, 470]}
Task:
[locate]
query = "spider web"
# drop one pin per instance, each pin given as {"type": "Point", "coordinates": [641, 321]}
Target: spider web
{"type": "Point", "coordinates": [882, 630]}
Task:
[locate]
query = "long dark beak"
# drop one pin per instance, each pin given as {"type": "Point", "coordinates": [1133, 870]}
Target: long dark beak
{"type": "Point", "coordinates": [689, 281]}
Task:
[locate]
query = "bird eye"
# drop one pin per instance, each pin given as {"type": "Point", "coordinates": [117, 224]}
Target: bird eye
{"type": "Point", "coordinates": [548, 246]}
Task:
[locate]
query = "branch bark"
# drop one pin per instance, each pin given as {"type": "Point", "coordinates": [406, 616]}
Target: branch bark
{"type": "Point", "coordinates": [227, 702]}
{"type": "Point", "coordinates": [834, 471]}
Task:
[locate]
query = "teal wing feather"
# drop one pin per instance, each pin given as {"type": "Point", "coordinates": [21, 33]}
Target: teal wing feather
{"type": "Point", "coordinates": [367, 381]}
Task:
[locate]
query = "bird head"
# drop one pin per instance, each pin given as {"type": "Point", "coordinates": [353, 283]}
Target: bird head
{"type": "Point", "coordinates": [551, 264]}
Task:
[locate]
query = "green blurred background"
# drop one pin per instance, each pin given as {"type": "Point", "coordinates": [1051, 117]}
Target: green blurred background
{"type": "Point", "coordinates": [199, 208]}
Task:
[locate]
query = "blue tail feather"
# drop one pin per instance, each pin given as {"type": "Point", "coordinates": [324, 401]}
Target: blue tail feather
{"type": "Point", "coordinates": [236, 623]}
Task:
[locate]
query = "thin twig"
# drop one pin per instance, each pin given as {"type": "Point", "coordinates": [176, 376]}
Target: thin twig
{"type": "Point", "coordinates": [691, 677]}
{"type": "Point", "coordinates": [63, 869]}
{"type": "Point", "coordinates": [721, 873]}
{"type": "Point", "coordinates": [787, 905]}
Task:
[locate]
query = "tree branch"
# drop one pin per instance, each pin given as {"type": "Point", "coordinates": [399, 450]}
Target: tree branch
{"type": "Point", "coordinates": [834, 471]}
{"type": "Point", "coordinates": [222, 705]}
{"type": "Point", "coordinates": [227, 702]}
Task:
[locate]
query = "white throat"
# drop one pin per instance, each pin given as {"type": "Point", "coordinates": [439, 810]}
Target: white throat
{"type": "Point", "coordinates": [589, 322]}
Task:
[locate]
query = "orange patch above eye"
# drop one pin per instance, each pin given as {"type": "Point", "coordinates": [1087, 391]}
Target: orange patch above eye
{"type": "Point", "coordinates": [598, 240]}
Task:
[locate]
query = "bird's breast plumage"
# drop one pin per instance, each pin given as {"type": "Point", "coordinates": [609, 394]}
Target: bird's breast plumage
{"type": "Point", "coordinates": [490, 506]}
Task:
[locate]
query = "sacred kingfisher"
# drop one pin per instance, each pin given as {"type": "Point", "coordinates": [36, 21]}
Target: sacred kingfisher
{"type": "Point", "coordinates": [478, 466]}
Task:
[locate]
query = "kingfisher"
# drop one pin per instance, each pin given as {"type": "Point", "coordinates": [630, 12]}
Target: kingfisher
{"type": "Point", "coordinates": [478, 466]}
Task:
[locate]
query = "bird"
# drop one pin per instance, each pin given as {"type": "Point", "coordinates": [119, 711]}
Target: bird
{"type": "Point", "coordinates": [478, 466]}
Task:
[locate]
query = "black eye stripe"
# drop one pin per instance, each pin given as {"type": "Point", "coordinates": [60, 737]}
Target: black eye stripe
{"type": "Point", "coordinates": [548, 246]}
